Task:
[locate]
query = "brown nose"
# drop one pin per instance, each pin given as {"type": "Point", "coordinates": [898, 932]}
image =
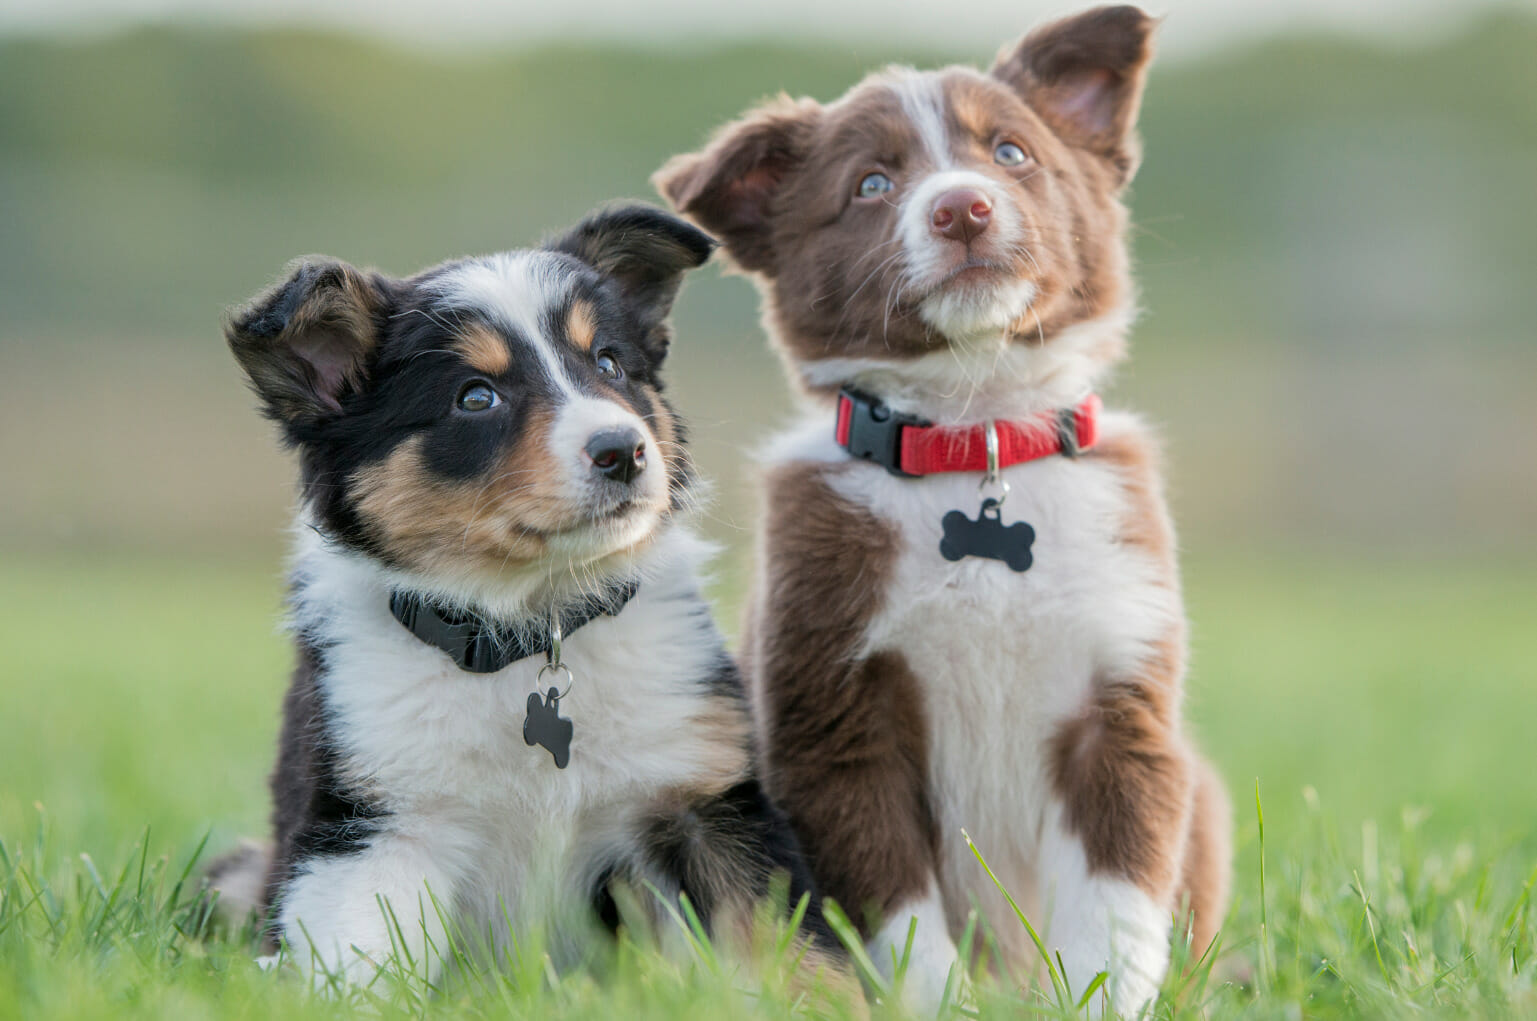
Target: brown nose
{"type": "Point", "coordinates": [961, 214]}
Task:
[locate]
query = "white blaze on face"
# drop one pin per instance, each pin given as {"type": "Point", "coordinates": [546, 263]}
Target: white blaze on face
{"type": "Point", "coordinates": [516, 290]}
{"type": "Point", "coordinates": [521, 291]}
{"type": "Point", "coordinates": [960, 310]}
{"type": "Point", "coordinates": [922, 95]}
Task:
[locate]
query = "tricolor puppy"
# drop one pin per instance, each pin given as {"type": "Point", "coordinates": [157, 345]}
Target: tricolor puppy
{"type": "Point", "coordinates": [510, 699]}
{"type": "Point", "coordinates": [968, 610]}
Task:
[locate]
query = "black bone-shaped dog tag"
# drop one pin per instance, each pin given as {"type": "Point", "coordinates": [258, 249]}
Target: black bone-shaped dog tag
{"type": "Point", "coordinates": [546, 727]}
{"type": "Point", "coordinates": [987, 537]}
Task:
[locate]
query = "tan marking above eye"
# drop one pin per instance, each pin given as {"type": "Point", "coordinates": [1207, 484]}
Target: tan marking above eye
{"type": "Point", "coordinates": [582, 324]}
{"type": "Point", "coordinates": [484, 350]}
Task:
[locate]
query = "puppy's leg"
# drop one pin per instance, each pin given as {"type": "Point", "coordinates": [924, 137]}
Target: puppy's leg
{"type": "Point", "coordinates": [932, 964]}
{"type": "Point", "coordinates": [724, 851]}
{"type": "Point", "coordinates": [1203, 886]}
{"type": "Point", "coordinates": [844, 732]}
{"type": "Point", "coordinates": [855, 784]}
{"type": "Point", "coordinates": [239, 878]}
{"type": "Point", "coordinates": [347, 916]}
{"type": "Point", "coordinates": [1114, 847]}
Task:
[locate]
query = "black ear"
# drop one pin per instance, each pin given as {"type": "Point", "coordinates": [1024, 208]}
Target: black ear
{"type": "Point", "coordinates": [305, 343]}
{"type": "Point", "coordinates": [730, 186]}
{"type": "Point", "coordinates": [642, 249]}
{"type": "Point", "coordinates": [1084, 75]}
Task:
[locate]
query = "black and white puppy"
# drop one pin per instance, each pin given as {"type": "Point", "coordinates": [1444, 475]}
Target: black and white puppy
{"type": "Point", "coordinates": [510, 696]}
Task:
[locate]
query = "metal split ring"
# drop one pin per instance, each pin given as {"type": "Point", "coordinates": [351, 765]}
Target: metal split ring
{"type": "Point", "coordinates": [555, 668]}
{"type": "Point", "coordinates": [994, 478]}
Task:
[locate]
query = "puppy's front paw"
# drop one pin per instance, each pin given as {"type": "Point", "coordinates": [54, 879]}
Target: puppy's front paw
{"type": "Point", "coordinates": [933, 964]}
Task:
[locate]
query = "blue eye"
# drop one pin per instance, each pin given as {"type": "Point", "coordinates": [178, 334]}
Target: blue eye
{"type": "Point", "coordinates": [874, 186]}
{"type": "Point", "coordinates": [1009, 155]}
{"type": "Point", "coordinates": [609, 369]}
{"type": "Point", "coordinates": [478, 397]}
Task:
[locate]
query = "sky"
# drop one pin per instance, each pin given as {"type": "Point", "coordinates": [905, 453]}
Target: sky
{"type": "Point", "coordinates": [1191, 26]}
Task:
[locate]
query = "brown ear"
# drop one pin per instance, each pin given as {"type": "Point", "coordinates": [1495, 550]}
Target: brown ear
{"type": "Point", "coordinates": [1084, 75]}
{"type": "Point", "coordinates": [305, 343]}
{"type": "Point", "coordinates": [730, 186]}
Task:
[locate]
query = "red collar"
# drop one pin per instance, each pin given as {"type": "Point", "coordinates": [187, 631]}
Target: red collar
{"type": "Point", "coordinates": [907, 445]}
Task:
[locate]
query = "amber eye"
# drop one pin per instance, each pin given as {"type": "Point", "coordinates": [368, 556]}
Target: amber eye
{"type": "Point", "coordinates": [873, 186]}
{"type": "Point", "coordinates": [608, 368]}
{"type": "Point", "coordinates": [1008, 154]}
{"type": "Point", "coordinates": [478, 397]}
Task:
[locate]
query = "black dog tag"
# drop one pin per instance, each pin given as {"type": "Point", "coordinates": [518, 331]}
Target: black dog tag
{"type": "Point", "coordinates": [545, 726]}
{"type": "Point", "coordinates": [987, 537]}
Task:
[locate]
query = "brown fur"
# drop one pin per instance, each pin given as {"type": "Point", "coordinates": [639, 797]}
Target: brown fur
{"type": "Point", "coordinates": [581, 325]}
{"type": "Point", "coordinates": [727, 763]}
{"type": "Point", "coordinates": [774, 182]}
{"type": "Point", "coordinates": [484, 350]}
{"type": "Point", "coordinates": [1146, 525]}
{"type": "Point", "coordinates": [1204, 881]}
{"type": "Point", "coordinates": [846, 738]}
{"type": "Point", "coordinates": [1124, 779]}
{"type": "Point", "coordinates": [417, 515]}
{"type": "Point", "coordinates": [430, 524]}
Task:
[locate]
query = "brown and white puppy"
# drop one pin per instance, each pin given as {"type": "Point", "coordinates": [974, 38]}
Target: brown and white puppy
{"type": "Point", "coordinates": [952, 244]}
{"type": "Point", "coordinates": [493, 485]}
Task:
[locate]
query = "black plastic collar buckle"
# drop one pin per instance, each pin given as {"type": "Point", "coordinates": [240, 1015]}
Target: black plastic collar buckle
{"type": "Point", "coordinates": [1067, 432]}
{"type": "Point", "coordinates": [875, 431]}
{"type": "Point", "coordinates": [469, 644]}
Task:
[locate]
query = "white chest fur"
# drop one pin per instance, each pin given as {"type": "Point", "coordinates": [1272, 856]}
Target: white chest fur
{"type": "Point", "coordinates": [1003, 657]}
{"type": "Point", "coordinates": [443, 750]}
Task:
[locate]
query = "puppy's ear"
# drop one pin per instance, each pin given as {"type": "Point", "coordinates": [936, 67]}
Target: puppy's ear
{"type": "Point", "coordinates": [1084, 75]}
{"type": "Point", "coordinates": [642, 249]}
{"type": "Point", "coordinates": [305, 343]}
{"type": "Point", "coordinates": [730, 186]}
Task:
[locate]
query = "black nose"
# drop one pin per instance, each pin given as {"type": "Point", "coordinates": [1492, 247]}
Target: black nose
{"type": "Point", "coordinates": [618, 454]}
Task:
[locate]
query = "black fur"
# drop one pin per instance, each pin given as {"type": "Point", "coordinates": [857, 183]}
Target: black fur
{"type": "Point", "coordinates": [733, 843]}
{"type": "Point", "coordinates": [643, 252]}
{"type": "Point", "coordinates": [314, 814]}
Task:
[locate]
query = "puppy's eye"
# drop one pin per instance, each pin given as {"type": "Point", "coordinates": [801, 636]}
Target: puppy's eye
{"type": "Point", "coordinates": [608, 368]}
{"type": "Point", "coordinates": [874, 186]}
{"type": "Point", "coordinates": [1009, 154]}
{"type": "Point", "coordinates": [478, 397]}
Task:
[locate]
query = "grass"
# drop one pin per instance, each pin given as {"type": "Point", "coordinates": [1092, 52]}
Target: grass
{"type": "Point", "coordinates": [1372, 722]}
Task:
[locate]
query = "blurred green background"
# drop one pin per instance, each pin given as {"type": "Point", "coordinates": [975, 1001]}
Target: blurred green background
{"type": "Point", "coordinates": [1335, 241]}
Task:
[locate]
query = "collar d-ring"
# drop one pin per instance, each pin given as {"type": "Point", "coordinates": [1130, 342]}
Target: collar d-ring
{"type": "Point", "coordinates": [994, 477]}
{"type": "Point", "coordinates": [552, 658]}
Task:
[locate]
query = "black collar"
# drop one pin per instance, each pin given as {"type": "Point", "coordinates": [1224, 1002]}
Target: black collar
{"type": "Point", "coordinates": [482, 647]}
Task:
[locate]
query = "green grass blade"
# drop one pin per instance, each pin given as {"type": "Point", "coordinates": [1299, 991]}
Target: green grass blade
{"type": "Point", "coordinates": [1058, 980]}
{"type": "Point", "coordinates": [848, 933]}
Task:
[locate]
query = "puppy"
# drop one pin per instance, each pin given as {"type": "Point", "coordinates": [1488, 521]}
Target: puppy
{"type": "Point", "coordinates": [943, 266]}
{"type": "Point", "coordinates": [510, 701]}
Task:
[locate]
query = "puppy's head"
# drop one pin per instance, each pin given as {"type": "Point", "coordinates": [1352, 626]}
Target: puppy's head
{"type": "Point", "coordinates": [490, 415]}
{"type": "Point", "coordinates": [933, 210]}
